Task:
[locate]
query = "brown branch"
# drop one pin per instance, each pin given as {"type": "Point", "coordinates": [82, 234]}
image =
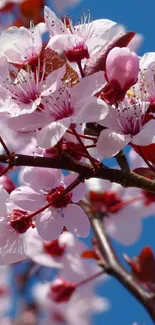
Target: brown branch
{"type": "Point", "coordinates": [114, 268]}
{"type": "Point", "coordinates": [122, 161]}
{"type": "Point", "coordinates": [128, 179]}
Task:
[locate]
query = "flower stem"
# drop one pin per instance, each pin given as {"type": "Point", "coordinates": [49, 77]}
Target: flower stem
{"type": "Point", "coordinates": [93, 277]}
{"type": "Point", "coordinates": [80, 68]}
{"type": "Point", "coordinates": [85, 150]}
{"type": "Point", "coordinates": [76, 182]}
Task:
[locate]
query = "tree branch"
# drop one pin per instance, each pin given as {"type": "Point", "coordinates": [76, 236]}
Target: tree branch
{"type": "Point", "coordinates": [114, 268]}
{"type": "Point", "coordinates": [128, 179]}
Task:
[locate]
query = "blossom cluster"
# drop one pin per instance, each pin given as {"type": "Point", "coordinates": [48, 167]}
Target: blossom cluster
{"type": "Point", "coordinates": [80, 94]}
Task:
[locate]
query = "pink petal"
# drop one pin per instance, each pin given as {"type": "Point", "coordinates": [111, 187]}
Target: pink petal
{"type": "Point", "coordinates": [27, 199]}
{"type": "Point", "coordinates": [49, 136]}
{"type": "Point", "coordinates": [34, 249]}
{"type": "Point", "coordinates": [90, 109]}
{"type": "Point", "coordinates": [124, 226]}
{"type": "Point", "coordinates": [76, 221]}
{"type": "Point", "coordinates": [49, 224]}
{"type": "Point", "coordinates": [110, 143]}
{"type": "Point", "coordinates": [146, 136]}
{"type": "Point", "coordinates": [41, 178]}
{"type": "Point", "coordinates": [28, 122]}
{"type": "Point", "coordinates": [54, 24]}
{"type": "Point", "coordinates": [64, 41]}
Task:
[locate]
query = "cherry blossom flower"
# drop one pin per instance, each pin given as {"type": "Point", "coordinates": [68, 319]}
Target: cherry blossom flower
{"type": "Point", "coordinates": [23, 94]}
{"type": "Point", "coordinates": [146, 84]}
{"type": "Point", "coordinates": [71, 106]}
{"type": "Point", "coordinates": [13, 224]}
{"type": "Point", "coordinates": [55, 253]}
{"type": "Point", "coordinates": [21, 45]}
{"type": "Point", "coordinates": [76, 41]}
{"type": "Point", "coordinates": [125, 124]}
{"type": "Point", "coordinates": [65, 212]}
{"type": "Point", "coordinates": [52, 103]}
{"type": "Point", "coordinates": [77, 310]}
{"type": "Point", "coordinates": [121, 208]}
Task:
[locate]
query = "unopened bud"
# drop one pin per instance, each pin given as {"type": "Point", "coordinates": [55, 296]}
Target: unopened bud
{"type": "Point", "coordinates": [122, 67]}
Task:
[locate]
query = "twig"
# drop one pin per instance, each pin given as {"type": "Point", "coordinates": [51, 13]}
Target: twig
{"type": "Point", "coordinates": [115, 268]}
{"type": "Point", "coordinates": [122, 161]}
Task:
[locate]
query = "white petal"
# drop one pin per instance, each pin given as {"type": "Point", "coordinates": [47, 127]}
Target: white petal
{"type": "Point", "coordinates": [88, 85]}
{"type": "Point", "coordinates": [124, 226]}
{"type": "Point", "coordinates": [76, 221]}
{"type": "Point", "coordinates": [79, 191]}
{"type": "Point", "coordinates": [34, 249]}
{"type": "Point", "coordinates": [27, 199]}
{"type": "Point", "coordinates": [49, 224]}
{"type": "Point", "coordinates": [53, 81]}
{"type": "Point", "coordinates": [110, 143]}
{"type": "Point", "coordinates": [102, 26]}
{"type": "Point", "coordinates": [92, 110]}
{"type": "Point", "coordinates": [41, 178]}
{"type": "Point", "coordinates": [14, 249]}
{"type": "Point", "coordinates": [49, 136]}
{"type": "Point", "coordinates": [146, 136]}
{"type": "Point", "coordinates": [64, 41]}
{"type": "Point", "coordinates": [28, 122]}
{"type": "Point", "coordinates": [54, 24]}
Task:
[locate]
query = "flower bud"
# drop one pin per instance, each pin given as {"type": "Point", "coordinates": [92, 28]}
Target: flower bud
{"type": "Point", "coordinates": [61, 290]}
{"type": "Point", "coordinates": [122, 67]}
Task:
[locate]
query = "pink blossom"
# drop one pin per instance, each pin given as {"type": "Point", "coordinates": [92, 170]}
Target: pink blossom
{"type": "Point", "coordinates": [125, 124]}
{"type": "Point", "coordinates": [122, 209]}
{"type": "Point", "coordinates": [70, 106]}
{"type": "Point", "coordinates": [13, 225]}
{"type": "Point", "coordinates": [53, 104]}
{"type": "Point", "coordinates": [77, 310]}
{"type": "Point", "coordinates": [66, 212]}
{"type": "Point", "coordinates": [122, 67]}
{"type": "Point", "coordinates": [146, 85]}
{"type": "Point", "coordinates": [76, 41]}
{"type": "Point", "coordinates": [61, 290]}
{"type": "Point", "coordinates": [21, 45]}
{"type": "Point", "coordinates": [55, 253]}
{"type": "Point", "coordinates": [23, 93]}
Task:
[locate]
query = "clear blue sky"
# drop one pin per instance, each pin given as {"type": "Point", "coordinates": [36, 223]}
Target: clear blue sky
{"type": "Point", "coordinates": [138, 16]}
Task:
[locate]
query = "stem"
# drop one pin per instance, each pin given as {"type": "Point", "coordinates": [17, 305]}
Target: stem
{"type": "Point", "coordinates": [122, 161]}
{"type": "Point", "coordinates": [115, 269]}
{"type": "Point", "coordinates": [76, 182]}
{"type": "Point", "coordinates": [122, 204]}
{"type": "Point", "coordinates": [93, 277]}
{"type": "Point", "coordinates": [5, 147]}
{"type": "Point", "coordinates": [85, 150]}
{"type": "Point", "coordinates": [80, 69]}
{"type": "Point", "coordinates": [94, 139]}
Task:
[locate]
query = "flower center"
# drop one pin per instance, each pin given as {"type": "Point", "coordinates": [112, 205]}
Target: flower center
{"type": "Point", "coordinates": [54, 249]}
{"type": "Point", "coordinates": [130, 116]}
{"type": "Point", "coordinates": [77, 53]}
{"type": "Point", "coordinates": [54, 194]}
{"type": "Point", "coordinates": [20, 221]}
{"type": "Point", "coordinates": [107, 200]}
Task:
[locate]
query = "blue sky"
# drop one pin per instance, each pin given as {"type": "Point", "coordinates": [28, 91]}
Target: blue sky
{"type": "Point", "coordinates": [139, 16]}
